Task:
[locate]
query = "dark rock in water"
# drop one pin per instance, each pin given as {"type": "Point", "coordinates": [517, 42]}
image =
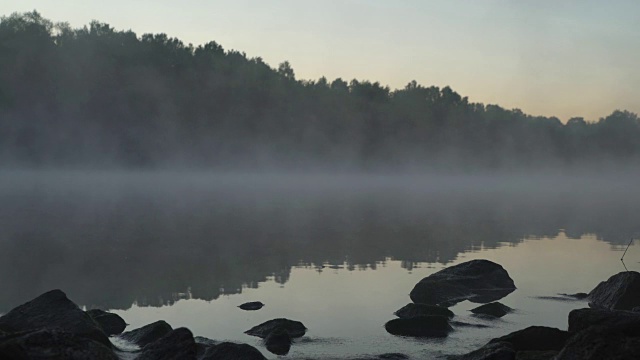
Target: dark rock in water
{"type": "Point", "coordinates": [148, 333]}
{"type": "Point", "coordinates": [536, 355]}
{"type": "Point", "coordinates": [494, 309]}
{"type": "Point", "coordinates": [636, 309]}
{"type": "Point", "coordinates": [253, 305]}
{"type": "Point", "coordinates": [466, 324]}
{"type": "Point", "coordinates": [176, 345]}
{"type": "Point", "coordinates": [619, 292]}
{"type": "Point", "coordinates": [52, 310]}
{"type": "Point", "coordinates": [413, 310]}
{"type": "Point", "coordinates": [578, 296]}
{"type": "Point", "coordinates": [479, 281]}
{"type": "Point", "coordinates": [111, 324]}
{"type": "Point", "coordinates": [581, 319]}
{"type": "Point", "coordinates": [202, 344]}
{"type": "Point", "coordinates": [535, 338]}
{"type": "Point", "coordinates": [603, 342]}
{"type": "Point", "coordinates": [491, 351]}
{"type": "Point", "coordinates": [278, 341]}
{"type": "Point", "coordinates": [52, 344]}
{"type": "Point", "coordinates": [232, 351]}
{"type": "Point", "coordinates": [420, 326]}
{"type": "Point", "coordinates": [294, 328]}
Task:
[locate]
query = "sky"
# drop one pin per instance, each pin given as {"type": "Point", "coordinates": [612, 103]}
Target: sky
{"type": "Point", "coordinates": [546, 57]}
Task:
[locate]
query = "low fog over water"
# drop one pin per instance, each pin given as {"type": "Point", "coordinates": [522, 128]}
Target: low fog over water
{"type": "Point", "coordinates": [111, 239]}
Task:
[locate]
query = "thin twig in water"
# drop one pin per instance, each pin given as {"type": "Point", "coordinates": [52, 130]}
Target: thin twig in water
{"type": "Point", "coordinates": [625, 250]}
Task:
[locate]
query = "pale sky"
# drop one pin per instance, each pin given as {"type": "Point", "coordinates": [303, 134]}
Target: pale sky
{"type": "Point", "coordinates": [547, 57]}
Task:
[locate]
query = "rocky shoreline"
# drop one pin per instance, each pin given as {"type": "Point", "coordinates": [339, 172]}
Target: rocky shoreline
{"type": "Point", "coordinates": [53, 327]}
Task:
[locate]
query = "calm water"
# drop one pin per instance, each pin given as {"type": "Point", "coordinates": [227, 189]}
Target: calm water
{"type": "Point", "coordinates": [339, 253]}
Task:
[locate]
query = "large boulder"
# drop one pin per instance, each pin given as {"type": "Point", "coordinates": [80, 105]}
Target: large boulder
{"type": "Point", "coordinates": [232, 351]}
{"type": "Point", "coordinates": [148, 333]}
{"type": "Point", "coordinates": [53, 310]}
{"type": "Point", "coordinates": [616, 342]}
{"type": "Point", "coordinates": [52, 344]}
{"type": "Point", "coordinates": [178, 344]}
{"type": "Point", "coordinates": [535, 338]}
{"type": "Point", "coordinates": [420, 326]}
{"type": "Point", "coordinates": [479, 281]}
{"type": "Point", "coordinates": [495, 309]}
{"type": "Point", "coordinates": [294, 328]}
{"type": "Point", "coordinates": [111, 324]}
{"type": "Point", "coordinates": [413, 310]}
{"type": "Point", "coordinates": [619, 292]}
{"type": "Point", "coordinates": [581, 319]}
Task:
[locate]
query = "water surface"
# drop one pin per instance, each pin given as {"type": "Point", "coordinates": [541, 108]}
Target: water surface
{"type": "Point", "coordinates": [338, 252]}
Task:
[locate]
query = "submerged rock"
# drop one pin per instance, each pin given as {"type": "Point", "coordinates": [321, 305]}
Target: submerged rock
{"type": "Point", "coordinates": [479, 281]}
{"type": "Point", "coordinates": [52, 310]}
{"type": "Point", "coordinates": [294, 328]}
{"type": "Point", "coordinates": [52, 344]}
{"type": "Point", "coordinates": [577, 296]}
{"type": "Point", "coordinates": [148, 333]}
{"type": "Point", "coordinates": [420, 326]}
{"type": "Point", "coordinates": [494, 309]}
{"type": "Point", "coordinates": [111, 324]}
{"type": "Point", "coordinates": [619, 292]}
{"type": "Point", "coordinates": [413, 310]}
{"type": "Point", "coordinates": [178, 344]}
{"type": "Point", "coordinates": [253, 305]}
{"type": "Point", "coordinates": [278, 341]}
{"type": "Point", "coordinates": [232, 351]}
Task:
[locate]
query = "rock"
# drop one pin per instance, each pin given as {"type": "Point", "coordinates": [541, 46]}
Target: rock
{"type": "Point", "coordinates": [619, 292]}
{"type": "Point", "coordinates": [111, 324]}
{"type": "Point", "coordinates": [148, 333]}
{"type": "Point", "coordinates": [413, 310]}
{"type": "Point", "coordinates": [479, 281]}
{"type": "Point", "coordinates": [603, 342]}
{"type": "Point", "coordinates": [494, 309]}
{"type": "Point", "coordinates": [294, 328]}
{"type": "Point", "coordinates": [253, 305]}
{"type": "Point", "coordinates": [535, 338]}
{"type": "Point", "coordinates": [581, 319]}
{"type": "Point", "coordinates": [466, 324]}
{"type": "Point", "coordinates": [178, 344]}
{"type": "Point", "coordinates": [202, 344]}
{"type": "Point", "coordinates": [578, 296]}
{"type": "Point", "coordinates": [53, 310]}
{"type": "Point", "coordinates": [278, 341]}
{"type": "Point", "coordinates": [232, 351]}
{"type": "Point", "coordinates": [420, 326]}
{"type": "Point", "coordinates": [52, 344]}
{"type": "Point", "coordinates": [491, 351]}
{"type": "Point", "coordinates": [636, 309]}
{"type": "Point", "coordinates": [536, 355]}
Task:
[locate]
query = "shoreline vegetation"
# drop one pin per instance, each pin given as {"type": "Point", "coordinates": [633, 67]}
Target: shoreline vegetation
{"type": "Point", "coordinates": [99, 97]}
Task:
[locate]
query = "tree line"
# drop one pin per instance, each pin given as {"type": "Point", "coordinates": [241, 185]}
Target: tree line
{"type": "Point", "coordinates": [96, 96]}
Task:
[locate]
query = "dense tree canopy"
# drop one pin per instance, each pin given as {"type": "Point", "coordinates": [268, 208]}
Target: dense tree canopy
{"type": "Point", "coordinates": [99, 97]}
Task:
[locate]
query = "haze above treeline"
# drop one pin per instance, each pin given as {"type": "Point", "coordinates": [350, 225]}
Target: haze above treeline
{"type": "Point", "coordinates": [100, 97]}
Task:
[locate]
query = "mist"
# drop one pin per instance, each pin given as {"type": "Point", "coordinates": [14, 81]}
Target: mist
{"type": "Point", "coordinates": [101, 98]}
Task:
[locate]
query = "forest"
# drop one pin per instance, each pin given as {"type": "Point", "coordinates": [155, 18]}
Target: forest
{"type": "Point", "coordinates": [100, 97]}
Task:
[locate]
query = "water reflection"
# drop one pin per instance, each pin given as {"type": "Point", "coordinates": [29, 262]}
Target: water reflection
{"type": "Point", "coordinates": [114, 240]}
